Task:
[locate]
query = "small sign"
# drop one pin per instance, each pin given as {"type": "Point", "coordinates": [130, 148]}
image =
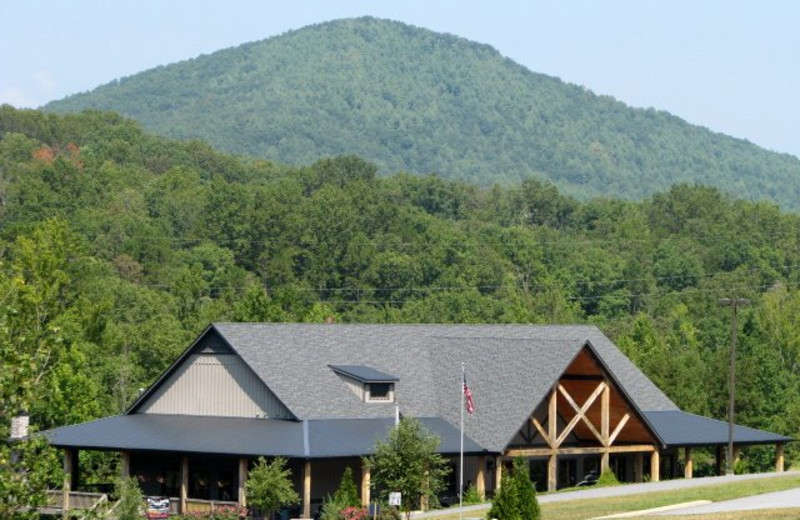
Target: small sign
{"type": "Point", "coordinates": [157, 507]}
{"type": "Point", "coordinates": [395, 498]}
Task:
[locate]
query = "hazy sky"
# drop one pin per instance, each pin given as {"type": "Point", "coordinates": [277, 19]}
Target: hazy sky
{"type": "Point", "coordinates": [730, 65]}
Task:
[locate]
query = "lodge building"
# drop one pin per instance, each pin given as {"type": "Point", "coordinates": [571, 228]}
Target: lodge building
{"type": "Point", "coordinates": [564, 397]}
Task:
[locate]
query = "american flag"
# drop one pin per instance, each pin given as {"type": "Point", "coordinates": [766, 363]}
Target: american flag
{"type": "Point", "coordinates": [468, 402]}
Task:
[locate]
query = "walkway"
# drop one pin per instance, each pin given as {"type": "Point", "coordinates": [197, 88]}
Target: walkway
{"type": "Point", "coordinates": [616, 491]}
{"type": "Point", "coordinates": [777, 500]}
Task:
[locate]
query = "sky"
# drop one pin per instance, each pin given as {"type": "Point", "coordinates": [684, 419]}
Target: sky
{"type": "Point", "coordinates": [732, 66]}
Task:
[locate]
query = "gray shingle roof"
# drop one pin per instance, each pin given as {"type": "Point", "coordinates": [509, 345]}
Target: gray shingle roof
{"type": "Point", "coordinates": [244, 436]}
{"type": "Point", "coordinates": [510, 369]}
{"type": "Point", "coordinates": [679, 428]}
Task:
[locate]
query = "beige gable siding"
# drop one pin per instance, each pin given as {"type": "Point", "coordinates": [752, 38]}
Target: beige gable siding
{"type": "Point", "coordinates": [357, 387]}
{"type": "Point", "coordinates": [215, 384]}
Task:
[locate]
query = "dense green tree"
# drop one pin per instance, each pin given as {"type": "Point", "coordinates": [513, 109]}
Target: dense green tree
{"type": "Point", "coordinates": [155, 239]}
{"type": "Point", "coordinates": [27, 470]}
{"type": "Point", "coordinates": [407, 462]}
{"type": "Point", "coordinates": [269, 486]}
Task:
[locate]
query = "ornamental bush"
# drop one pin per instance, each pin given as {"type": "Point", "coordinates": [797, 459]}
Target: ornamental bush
{"type": "Point", "coordinates": [516, 499]}
{"type": "Point", "coordinates": [344, 502]}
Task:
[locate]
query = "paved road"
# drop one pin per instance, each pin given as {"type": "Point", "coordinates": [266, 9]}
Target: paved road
{"type": "Point", "coordinates": [616, 491]}
{"type": "Point", "coordinates": [776, 500]}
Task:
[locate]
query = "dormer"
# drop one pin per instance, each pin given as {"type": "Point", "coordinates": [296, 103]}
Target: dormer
{"type": "Point", "coordinates": [369, 384]}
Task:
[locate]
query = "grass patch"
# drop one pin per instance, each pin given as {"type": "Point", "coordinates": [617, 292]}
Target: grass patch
{"type": "Point", "coordinates": [590, 508]}
{"type": "Point", "coordinates": [582, 509]}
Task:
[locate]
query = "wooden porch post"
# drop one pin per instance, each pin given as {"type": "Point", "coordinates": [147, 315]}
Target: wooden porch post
{"type": "Point", "coordinates": [779, 457]}
{"type": "Point", "coordinates": [184, 491]}
{"type": "Point", "coordinates": [68, 461]}
{"type": "Point", "coordinates": [365, 483]}
{"type": "Point", "coordinates": [480, 477]}
{"type": "Point", "coordinates": [243, 463]}
{"type": "Point", "coordinates": [688, 462]}
{"type": "Point", "coordinates": [655, 466]}
{"type": "Point", "coordinates": [125, 464]}
{"type": "Point", "coordinates": [737, 456]}
{"type": "Point", "coordinates": [638, 467]}
{"type": "Point", "coordinates": [718, 461]}
{"type": "Point", "coordinates": [552, 472]}
{"type": "Point", "coordinates": [552, 426]}
{"type": "Point", "coordinates": [307, 489]}
{"type": "Point", "coordinates": [498, 472]}
{"type": "Point", "coordinates": [605, 404]}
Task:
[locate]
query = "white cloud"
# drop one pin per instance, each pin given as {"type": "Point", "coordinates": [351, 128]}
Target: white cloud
{"type": "Point", "coordinates": [44, 81]}
{"type": "Point", "coordinates": [16, 97]}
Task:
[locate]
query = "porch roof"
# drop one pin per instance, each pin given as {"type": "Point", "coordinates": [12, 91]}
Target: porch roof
{"type": "Point", "coordinates": [323, 438]}
{"type": "Point", "coordinates": [678, 428]}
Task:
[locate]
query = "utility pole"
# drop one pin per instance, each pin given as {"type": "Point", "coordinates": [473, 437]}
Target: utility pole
{"type": "Point", "coordinates": [733, 304]}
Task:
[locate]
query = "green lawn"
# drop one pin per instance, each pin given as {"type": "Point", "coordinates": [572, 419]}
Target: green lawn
{"type": "Point", "coordinates": [590, 508]}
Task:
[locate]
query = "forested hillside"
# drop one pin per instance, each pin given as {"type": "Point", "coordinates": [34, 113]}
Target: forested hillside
{"type": "Point", "coordinates": [409, 99]}
{"type": "Point", "coordinates": [118, 247]}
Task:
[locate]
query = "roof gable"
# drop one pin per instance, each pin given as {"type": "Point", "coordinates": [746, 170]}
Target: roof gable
{"type": "Point", "coordinates": [210, 378]}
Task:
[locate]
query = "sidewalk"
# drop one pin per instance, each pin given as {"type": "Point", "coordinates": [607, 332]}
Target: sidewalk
{"type": "Point", "coordinates": [615, 491]}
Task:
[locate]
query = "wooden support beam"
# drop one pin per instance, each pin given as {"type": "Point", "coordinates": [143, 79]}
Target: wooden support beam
{"type": "Point", "coordinates": [480, 476]}
{"type": "Point", "coordinates": [580, 413]}
{"type": "Point", "coordinates": [184, 489]}
{"type": "Point", "coordinates": [779, 457]}
{"type": "Point", "coordinates": [68, 462]}
{"type": "Point", "coordinates": [365, 483]}
{"type": "Point", "coordinates": [545, 452]}
{"type": "Point", "coordinates": [618, 429]}
{"type": "Point", "coordinates": [688, 462]}
{"type": "Point", "coordinates": [552, 418]}
{"type": "Point", "coordinates": [605, 405]}
{"type": "Point", "coordinates": [125, 464]}
{"type": "Point", "coordinates": [552, 472]}
{"type": "Point", "coordinates": [718, 461]}
{"type": "Point", "coordinates": [604, 460]}
{"type": "Point", "coordinates": [655, 466]}
{"type": "Point", "coordinates": [737, 456]}
{"type": "Point", "coordinates": [581, 410]}
{"type": "Point", "coordinates": [498, 473]}
{"type": "Point", "coordinates": [638, 467]}
{"type": "Point", "coordinates": [243, 463]}
{"type": "Point", "coordinates": [307, 489]}
{"type": "Point", "coordinates": [541, 431]}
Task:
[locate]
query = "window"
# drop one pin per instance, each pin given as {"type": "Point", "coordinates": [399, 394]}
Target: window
{"type": "Point", "coordinates": [379, 392]}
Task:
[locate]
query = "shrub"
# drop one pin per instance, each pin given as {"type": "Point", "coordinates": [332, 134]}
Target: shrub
{"type": "Point", "coordinates": [269, 486]}
{"type": "Point", "coordinates": [516, 499]}
{"type": "Point", "coordinates": [607, 478]}
{"type": "Point", "coordinates": [130, 498]}
{"type": "Point", "coordinates": [345, 498]}
{"type": "Point", "coordinates": [471, 496]}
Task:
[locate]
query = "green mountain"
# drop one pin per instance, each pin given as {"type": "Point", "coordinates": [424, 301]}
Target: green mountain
{"type": "Point", "coordinates": [409, 99]}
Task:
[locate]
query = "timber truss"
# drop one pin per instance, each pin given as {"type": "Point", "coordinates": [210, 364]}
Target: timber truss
{"type": "Point", "coordinates": [597, 419]}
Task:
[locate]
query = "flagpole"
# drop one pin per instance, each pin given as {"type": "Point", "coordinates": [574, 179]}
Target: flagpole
{"type": "Point", "coordinates": [461, 452]}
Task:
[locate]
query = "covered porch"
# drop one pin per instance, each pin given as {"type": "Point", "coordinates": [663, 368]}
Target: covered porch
{"type": "Point", "coordinates": [203, 462]}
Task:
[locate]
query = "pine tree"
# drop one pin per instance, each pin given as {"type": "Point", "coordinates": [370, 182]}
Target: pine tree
{"type": "Point", "coordinates": [527, 504]}
{"type": "Point", "coordinates": [516, 499]}
{"type": "Point", "coordinates": [504, 504]}
{"type": "Point", "coordinates": [347, 494]}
